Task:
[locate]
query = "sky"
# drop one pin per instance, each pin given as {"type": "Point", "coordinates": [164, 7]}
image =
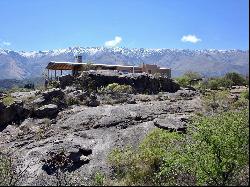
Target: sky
{"type": "Point", "coordinates": [182, 24]}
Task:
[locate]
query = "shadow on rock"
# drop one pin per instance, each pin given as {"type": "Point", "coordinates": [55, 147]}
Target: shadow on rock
{"type": "Point", "coordinates": [66, 161]}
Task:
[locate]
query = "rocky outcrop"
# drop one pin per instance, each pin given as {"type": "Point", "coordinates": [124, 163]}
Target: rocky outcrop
{"type": "Point", "coordinates": [53, 96]}
{"type": "Point", "coordinates": [92, 100]}
{"type": "Point", "coordinates": [82, 137]}
{"type": "Point", "coordinates": [141, 83]}
{"type": "Point", "coordinates": [47, 111]}
{"type": "Point", "coordinates": [14, 113]}
{"type": "Point", "coordinates": [172, 123]}
{"type": "Point", "coordinates": [66, 161]}
{"type": "Point", "coordinates": [66, 80]}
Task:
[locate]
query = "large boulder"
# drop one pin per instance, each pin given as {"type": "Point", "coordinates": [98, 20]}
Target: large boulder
{"type": "Point", "coordinates": [53, 93]}
{"type": "Point", "coordinates": [170, 123]}
{"type": "Point", "coordinates": [53, 96]}
{"type": "Point", "coordinates": [92, 100]}
{"type": "Point", "coordinates": [14, 113]}
{"type": "Point", "coordinates": [66, 80]}
{"type": "Point", "coordinates": [47, 111]}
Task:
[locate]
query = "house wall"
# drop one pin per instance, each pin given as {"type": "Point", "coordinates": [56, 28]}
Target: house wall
{"type": "Point", "coordinates": [166, 72]}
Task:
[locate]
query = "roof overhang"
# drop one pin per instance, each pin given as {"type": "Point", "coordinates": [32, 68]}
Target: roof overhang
{"type": "Point", "coordinates": [62, 65]}
{"type": "Point", "coordinates": [69, 65]}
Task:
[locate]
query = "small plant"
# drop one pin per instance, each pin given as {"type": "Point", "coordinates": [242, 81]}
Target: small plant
{"type": "Point", "coordinates": [72, 101]}
{"type": "Point", "coordinates": [54, 84]}
{"type": "Point", "coordinates": [98, 179]}
{"type": "Point", "coordinates": [216, 101]}
{"type": "Point", "coordinates": [7, 101]}
{"type": "Point", "coordinates": [117, 88]}
{"type": "Point", "coordinates": [245, 94]}
{"type": "Point", "coordinates": [9, 175]}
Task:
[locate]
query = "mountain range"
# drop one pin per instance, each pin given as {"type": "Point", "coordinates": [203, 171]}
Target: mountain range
{"type": "Point", "coordinates": [208, 62]}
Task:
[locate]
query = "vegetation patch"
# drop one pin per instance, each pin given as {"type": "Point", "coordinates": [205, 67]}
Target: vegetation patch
{"type": "Point", "coordinates": [7, 101]}
{"type": "Point", "coordinates": [117, 88]}
{"type": "Point", "coordinates": [215, 151]}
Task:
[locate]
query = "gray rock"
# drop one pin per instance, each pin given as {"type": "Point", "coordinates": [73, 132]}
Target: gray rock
{"type": "Point", "coordinates": [39, 101]}
{"type": "Point", "coordinates": [85, 136]}
{"type": "Point", "coordinates": [55, 96]}
{"type": "Point", "coordinates": [47, 111]}
{"type": "Point", "coordinates": [15, 113]}
{"type": "Point", "coordinates": [172, 124]}
{"type": "Point", "coordinates": [141, 83]}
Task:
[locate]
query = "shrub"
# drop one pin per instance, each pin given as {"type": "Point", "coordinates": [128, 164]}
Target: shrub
{"type": "Point", "coordinates": [192, 75]}
{"type": "Point", "coordinates": [215, 151]}
{"type": "Point", "coordinates": [72, 101]}
{"type": "Point", "coordinates": [98, 179]}
{"type": "Point", "coordinates": [5, 170]}
{"type": "Point", "coordinates": [143, 166]}
{"type": "Point", "coordinates": [245, 94]}
{"type": "Point", "coordinates": [185, 80]}
{"type": "Point", "coordinates": [213, 84]}
{"type": "Point", "coordinates": [117, 88]}
{"type": "Point", "coordinates": [224, 82]}
{"type": "Point", "coordinates": [219, 147]}
{"type": "Point", "coordinates": [8, 100]}
{"type": "Point", "coordinates": [54, 84]}
{"type": "Point", "coordinates": [9, 174]}
{"type": "Point", "coordinates": [236, 79]}
{"type": "Point", "coordinates": [216, 101]}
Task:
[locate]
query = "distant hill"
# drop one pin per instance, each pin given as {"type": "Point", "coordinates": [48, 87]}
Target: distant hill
{"type": "Point", "coordinates": [20, 65]}
{"type": "Point", "coordinates": [6, 84]}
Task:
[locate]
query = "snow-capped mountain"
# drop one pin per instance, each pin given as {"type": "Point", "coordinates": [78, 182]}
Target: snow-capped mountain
{"type": "Point", "coordinates": [210, 62]}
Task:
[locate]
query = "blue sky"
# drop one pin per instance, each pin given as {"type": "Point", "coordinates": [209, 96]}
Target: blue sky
{"type": "Point", "coordinates": [183, 24]}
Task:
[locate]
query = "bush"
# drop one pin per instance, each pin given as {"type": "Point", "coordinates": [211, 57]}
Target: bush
{"type": "Point", "coordinates": [220, 147]}
{"type": "Point", "coordinates": [224, 82]}
{"type": "Point", "coordinates": [142, 166]}
{"type": "Point", "coordinates": [215, 151]}
{"type": "Point", "coordinates": [98, 179]}
{"type": "Point", "coordinates": [245, 94]}
{"type": "Point", "coordinates": [236, 79]}
{"type": "Point", "coordinates": [72, 101]}
{"type": "Point", "coordinates": [185, 80]}
{"type": "Point", "coordinates": [213, 84]}
{"type": "Point", "coordinates": [117, 88]}
{"type": "Point", "coordinates": [9, 174]}
{"type": "Point", "coordinates": [8, 100]}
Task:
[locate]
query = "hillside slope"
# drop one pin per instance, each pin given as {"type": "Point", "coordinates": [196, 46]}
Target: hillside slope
{"type": "Point", "coordinates": [19, 65]}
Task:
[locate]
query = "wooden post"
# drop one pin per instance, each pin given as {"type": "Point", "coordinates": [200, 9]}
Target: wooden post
{"type": "Point", "coordinates": [61, 71]}
{"type": "Point", "coordinates": [55, 74]}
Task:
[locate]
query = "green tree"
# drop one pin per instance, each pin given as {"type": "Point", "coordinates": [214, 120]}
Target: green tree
{"type": "Point", "coordinates": [186, 79]}
{"type": "Point", "coordinates": [236, 78]}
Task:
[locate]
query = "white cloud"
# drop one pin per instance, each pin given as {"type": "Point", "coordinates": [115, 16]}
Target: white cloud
{"type": "Point", "coordinates": [190, 38]}
{"type": "Point", "coordinates": [4, 43]}
{"type": "Point", "coordinates": [113, 43]}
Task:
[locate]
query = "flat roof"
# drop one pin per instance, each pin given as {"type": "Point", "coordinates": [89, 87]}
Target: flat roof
{"type": "Point", "coordinates": [68, 65]}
